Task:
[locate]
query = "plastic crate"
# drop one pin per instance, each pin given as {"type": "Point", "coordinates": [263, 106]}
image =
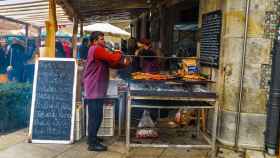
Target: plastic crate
{"type": "Point", "coordinates": [79, 125]}
{"type": "Point", "coordinates": [105, 132]}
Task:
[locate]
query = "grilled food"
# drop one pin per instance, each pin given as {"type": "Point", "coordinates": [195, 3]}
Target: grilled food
{"type": "Point", "coordinates": [193, 77]}
{"type": "Point", "coordinates": [150, 76]}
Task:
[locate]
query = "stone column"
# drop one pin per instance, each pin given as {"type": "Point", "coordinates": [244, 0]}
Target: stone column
{"type": "Point", "coordinates": [228, 76]}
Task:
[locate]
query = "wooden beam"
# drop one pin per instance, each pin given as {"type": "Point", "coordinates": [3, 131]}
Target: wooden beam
{"type": "Point", "coordinates": [12, 20]}
{"type": "Point", "coordinates": [42, 21]}
{"type": "Point", "coordinates": [107, 14]}
{"type": "Point", "coordinates": [17, 21]}
{"type": "Point", "coordinates": [97, 4]}
{"type": "Point", "coordinates": [102, 18]}
{"type": "Point", "coordinates": [68, 8]}
{"type": "Point", "coordinates": [113, 9]}
{"type": "Point", "coordinates": [13, 4]}
{"type": "Point", "coordinates": [24, 9]}
{"type": "Point", "coordinates": [42, 18]}
{"type": "Point", "coordinates": [111, 15]}
{"type": "Point", "coordinates": [9, 11]}
{"type": "Point", "coordinates": [117, 10]}
{"type": "Point", "coordinates": [81, 29]}
{"type": "Point", "coordinates": [74, 37]}
{"type": "Point", "coordinates": [33, 5]}
{"type": "Point", "coordinates": [46, 11]}
{"type": "Point", "coordinates": [26, 37]}
{"type": "Point", "coordinates": [60, 13]}
{"type": "Point", "coordinates": [52, 14]}
{"type": "Point", "coordinates": [51, 27]}
{"type": "Point", "coordinates": [43, 25]}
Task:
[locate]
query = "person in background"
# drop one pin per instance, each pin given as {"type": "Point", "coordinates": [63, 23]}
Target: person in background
{"type": "Point", "coordinates": [31, 48]}
{"type": "Point", "coordinates": [16, 56]}
{"type": "Point", "coordinates": [124, 46]}
{"type": "Point", "coordinates": [83, 49]}
{"type": "Point", "coordinates": [131, 46]}
{"type": "Point", "coordinates": [29, 67]}
{"type": "Point", "coordinates": [145, 63]}
{"type": "Point", "coordinates": [59, 51]}
{"type": "Point", "coordinates": [95, 80]}
{"type": "Point", "coordinates": [144, 57]}
{"type": "Point", "coordinates": [67, 49]}
{"type": "Point", "coordinates": [3, 60]}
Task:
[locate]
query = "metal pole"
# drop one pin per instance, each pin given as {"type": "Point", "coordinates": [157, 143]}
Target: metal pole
{"type": "Point", "coordinates": [240, 98]}
{"type": "Point", "coordinates": [26, 52]}
{"type": "Point", "coordinates": [214, 129]}
{"type": "Point", "coordinates": [128, 122]}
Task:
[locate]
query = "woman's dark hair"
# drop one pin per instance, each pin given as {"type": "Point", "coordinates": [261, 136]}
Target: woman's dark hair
{"type": "Point", "coordinates": [145, 41]}
{"type": "Point", "coordinates": [94, 35]}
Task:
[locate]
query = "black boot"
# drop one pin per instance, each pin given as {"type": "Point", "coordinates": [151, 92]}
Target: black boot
{"type": "Point", "coordinates": [97, 147]}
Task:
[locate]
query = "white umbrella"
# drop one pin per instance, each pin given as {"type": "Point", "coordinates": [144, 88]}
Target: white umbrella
{"type": "Point", "coordinates": [106, 28]}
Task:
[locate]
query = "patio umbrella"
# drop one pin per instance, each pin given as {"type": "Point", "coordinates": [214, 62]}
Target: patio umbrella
{"type": "Point", "coordinates": [58, 33]}
{"type": "Point", "coordinates": [106, 28]}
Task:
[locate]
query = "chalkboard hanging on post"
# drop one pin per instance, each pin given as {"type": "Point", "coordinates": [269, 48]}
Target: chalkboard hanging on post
{"type": "Point", "coordinates": [53, 101]}
{"type": "Point", "coordinates": [210, 39]}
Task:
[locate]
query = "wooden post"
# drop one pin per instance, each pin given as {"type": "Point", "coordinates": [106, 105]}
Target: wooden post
{"type": "Point", "coordinates": [74, 37]}
{"type": "Point", "coordinates": [81, 29]}
{"type": "Point", "coordinates": [39, 36]}
{"type": "Point", "coordinates": [51, 27]}
{"type": "Point", "coordinates": [26, 37]}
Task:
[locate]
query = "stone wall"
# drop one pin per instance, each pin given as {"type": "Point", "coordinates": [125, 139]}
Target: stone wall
{"type": "Point", "coordinates": [256, 72]}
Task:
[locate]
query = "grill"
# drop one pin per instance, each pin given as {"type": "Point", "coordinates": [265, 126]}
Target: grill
{"type": "Point", "coordinates": [170, 89]}
{"type": "Point", "coordinates": [168, 103]}
{"type": "Point", "coordinates": [172, 94]}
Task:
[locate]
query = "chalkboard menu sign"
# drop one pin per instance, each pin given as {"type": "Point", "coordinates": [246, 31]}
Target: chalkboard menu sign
{"type": "Point", "coordinates": [210, 39]}
{"type": "Point", "coordinates": [53, 101]}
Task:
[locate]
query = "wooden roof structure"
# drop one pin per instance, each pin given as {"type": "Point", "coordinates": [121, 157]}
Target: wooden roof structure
{"type": "Point", "coordinates": [36, 12]}
{"type": "Point", "coordinates": [33, 12]}
{"type": "Point", "coordinates": [90, 11]}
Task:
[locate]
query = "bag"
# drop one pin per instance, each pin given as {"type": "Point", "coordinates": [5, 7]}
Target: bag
{"type": "Point", "coordinates": [146, 120]}
{"type": "Point", "coordinates": [146, 126]}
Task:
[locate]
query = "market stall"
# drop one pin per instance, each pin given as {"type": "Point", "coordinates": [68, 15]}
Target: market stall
{"type": "Point", "coordinates": [187, 93]}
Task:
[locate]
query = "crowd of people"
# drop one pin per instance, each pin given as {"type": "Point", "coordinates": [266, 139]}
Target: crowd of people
{"type": "Point", "coordinates": [17, 58]}
{"type": "Point", "coordinates": [14, 56]}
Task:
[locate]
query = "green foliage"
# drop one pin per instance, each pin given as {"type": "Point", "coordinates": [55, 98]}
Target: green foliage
{"type": "Point", "coordinates": [15, 103]}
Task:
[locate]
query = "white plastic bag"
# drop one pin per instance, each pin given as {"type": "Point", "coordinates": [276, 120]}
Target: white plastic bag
{"type": "Point", "coordinates": [146, 120]}
{"type": "Point", "coordinates": [146, 127]}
